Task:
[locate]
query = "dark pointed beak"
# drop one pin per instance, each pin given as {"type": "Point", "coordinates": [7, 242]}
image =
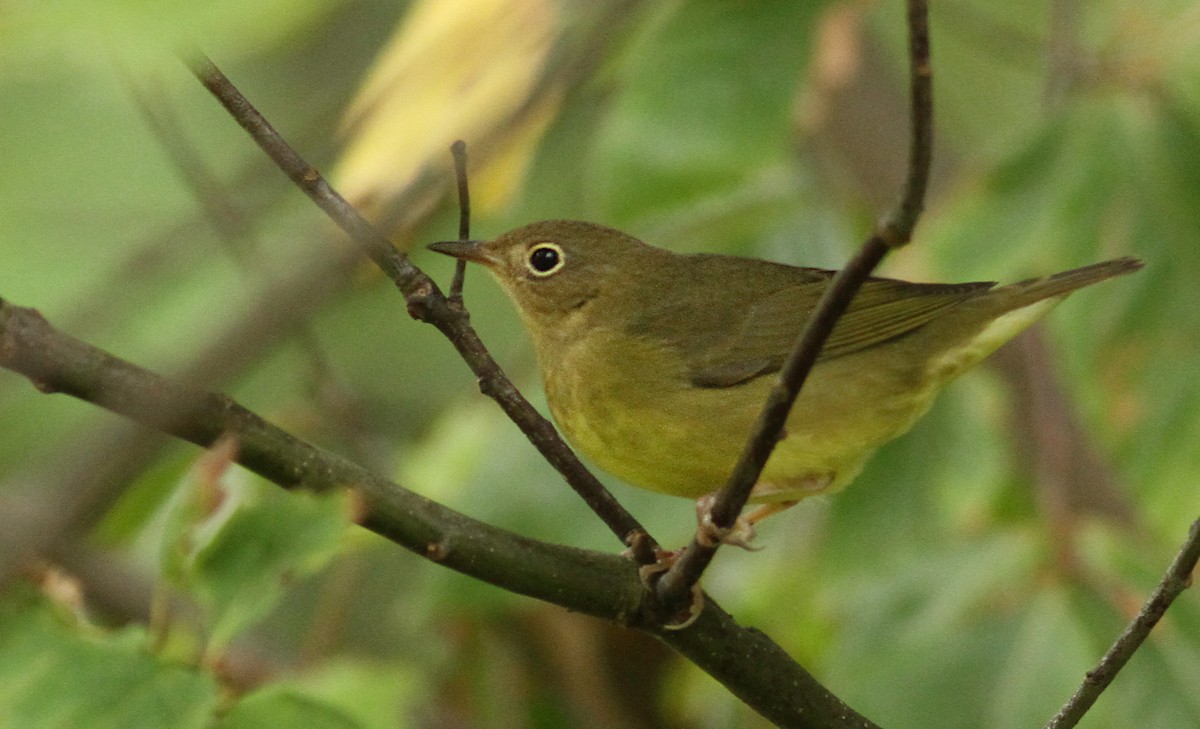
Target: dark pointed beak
{"type": "Point", "coordinates": [467, 250]}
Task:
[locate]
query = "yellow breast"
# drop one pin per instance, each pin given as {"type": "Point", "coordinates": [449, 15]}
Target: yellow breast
{"type": "Point", "coordinates": [650, 427]}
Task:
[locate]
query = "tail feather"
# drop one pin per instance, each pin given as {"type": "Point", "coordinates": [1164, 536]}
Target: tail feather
{"type": "Point", "coordinates": [1000, 314]}
{"type": "Point", "coordinates": [1024, 293]}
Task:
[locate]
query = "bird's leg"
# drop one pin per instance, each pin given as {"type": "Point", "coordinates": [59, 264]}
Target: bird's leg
{"type": "Point", "coordinates": [709, 534]}
{"type": "Point", "coordinates": [664, 559]}
{"type": "Point", "coordinates": [762, 511]}
{"type": "Point", "coordinates": [652, 561]}
{"type": "Point", "coordinates": [742, 532]}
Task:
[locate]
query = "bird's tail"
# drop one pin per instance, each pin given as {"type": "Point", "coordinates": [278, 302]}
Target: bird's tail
{"type": "Point", "coordinates": [1024, 293]}
{"type": "Point", "coordinates": [997, 316]}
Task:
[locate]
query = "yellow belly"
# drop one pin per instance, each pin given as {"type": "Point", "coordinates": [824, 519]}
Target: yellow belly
{"type": "Point", "coordinates": [650, 427]}
{"type": "Point", "coordinates": [663, 434]}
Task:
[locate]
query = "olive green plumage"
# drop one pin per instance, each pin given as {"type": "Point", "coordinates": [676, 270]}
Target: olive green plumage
{"type": "Point", "coordinates": [657, 363]}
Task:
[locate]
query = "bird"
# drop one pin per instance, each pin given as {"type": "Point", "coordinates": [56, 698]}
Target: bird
{"type": "Point", "coordinates": [656, 364]}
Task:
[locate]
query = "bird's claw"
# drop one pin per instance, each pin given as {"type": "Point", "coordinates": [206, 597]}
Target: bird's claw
{"type": "Point", "coordinates": [708, 534]}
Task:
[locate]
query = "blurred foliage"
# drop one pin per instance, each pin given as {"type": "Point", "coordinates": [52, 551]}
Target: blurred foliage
{"type": "Point", "coordinates": [952, 584]}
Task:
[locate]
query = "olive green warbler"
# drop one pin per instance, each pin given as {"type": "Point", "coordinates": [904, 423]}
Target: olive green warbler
{"type": "Point", "coordinates": [656, 363]}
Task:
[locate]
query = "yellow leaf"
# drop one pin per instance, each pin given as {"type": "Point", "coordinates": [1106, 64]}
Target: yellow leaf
{"type": "Point", "coordinates": [453, 70]}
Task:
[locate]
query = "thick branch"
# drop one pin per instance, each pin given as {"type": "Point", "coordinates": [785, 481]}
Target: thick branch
{"type": "Point", "coordinates": [108, 456]}
{"type": "Point", "coordinates": [57, 363]}
{"type": "Point", "coordinates": [893, 231]}
{"type": "Point", "coordinates": [607, 586]}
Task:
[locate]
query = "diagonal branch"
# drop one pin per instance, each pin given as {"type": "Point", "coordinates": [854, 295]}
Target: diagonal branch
{"type": "Point", "coordinates": [425, 300]}
{"type": "Point", "coordinates": [70, 494]}
{"type": "Point", "coordinates": [893, 231]}
{"type": "Point", "coordinates": [57, 363]}
{"type": "Point", "coordinates": [746, 661]}
{"type": "Point", "coordinates": [1177, 578]}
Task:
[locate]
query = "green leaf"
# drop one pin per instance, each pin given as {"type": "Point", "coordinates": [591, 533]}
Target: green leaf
{"type": "Point", "coordinates": [237, 556]}
{"type": "Point", "coordinates": [284, 709]}
{"type": "Point", "coordinates": [55, 675]}
{"type": "Point", "coordinates": [336, 694]}
{"type": "Point", "coordinates": [702, 108]}
{"type": "Point", "coordinates": [277, 537]}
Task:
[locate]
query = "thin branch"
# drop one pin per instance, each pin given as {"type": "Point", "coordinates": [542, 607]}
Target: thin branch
{"type": "Point", "coordinates": [896, 230]}
{"type": "Point", "coordinates": [459, 151]}
{"type": "Point", "coordinates": [893, 231]}
{"type": "Point", "coordinates": [425, 300]}
{"type": "Point", "coordinates": [395, 264]}
{"type": "Point", "coordinates": [746, 661]}
{"type": "Point", "coordinates": [1177, 578]}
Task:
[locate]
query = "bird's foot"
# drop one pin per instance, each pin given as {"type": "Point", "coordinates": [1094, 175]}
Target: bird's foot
{"type": "Point", "coordinates": [664, 559]}
{"type": "Point", "coordinates": [649, 574]}
{"type": "Point", "coordinates": [652, 560]}
{"type": "Point", "coordinates": [708, 534]}
{"type": "Point", "coordinates": [742, 532]}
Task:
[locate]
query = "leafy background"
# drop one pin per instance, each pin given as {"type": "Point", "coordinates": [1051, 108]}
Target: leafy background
{"type": "Point", "coordinates": [968, 578]}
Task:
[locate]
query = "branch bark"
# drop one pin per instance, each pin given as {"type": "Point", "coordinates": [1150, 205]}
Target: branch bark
{"type": "Point", "coordinates": [746, 661]}
{"type": "Point", "coordinates": [106, 457]}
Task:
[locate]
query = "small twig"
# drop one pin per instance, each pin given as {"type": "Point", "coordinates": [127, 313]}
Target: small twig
{"type": "Point", "coordinates": [307, 178]}
{"type": "Point", "coordinates": [1177, 578]}
{"type": "Point", "coordinates": [893, 231]}
{"type": "Point", "coordinates": [425, 301]}
{"type": "Point", "coordinates": [896, 230]}
{"type": "Point", "coordinates": [459, 152]}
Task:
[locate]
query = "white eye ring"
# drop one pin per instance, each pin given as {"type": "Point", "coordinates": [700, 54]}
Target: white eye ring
{"type": "Point", "coordinates": [545, 259]}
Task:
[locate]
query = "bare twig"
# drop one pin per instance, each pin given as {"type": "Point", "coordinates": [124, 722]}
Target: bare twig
{"type": "Point", "coordinates": [395, 264]}
{"type": "Point", "coordinates": [425, 300]}
{"type": "Point", "coordinates": [459, 151]}
{"type": "Point", "coordinates": [1178, 578]}
{"type": "Point", "coordinates": [893, 231]}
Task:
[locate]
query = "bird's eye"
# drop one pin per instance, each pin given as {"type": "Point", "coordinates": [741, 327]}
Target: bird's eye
{"type": "Point", "coordinates": [544, 259]}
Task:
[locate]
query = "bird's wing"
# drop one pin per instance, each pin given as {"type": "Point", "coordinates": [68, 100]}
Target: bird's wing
{"type": "Point", "coordinates": [746, 334]}
{"type": "Point", "coordinates": [885, 309]}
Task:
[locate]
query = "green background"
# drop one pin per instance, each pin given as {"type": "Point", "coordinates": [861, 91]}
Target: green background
{"type": "Point", "coordinates": [968, 578]}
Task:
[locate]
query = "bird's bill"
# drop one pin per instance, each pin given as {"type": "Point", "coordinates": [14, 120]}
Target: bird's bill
{"type": "Point", "coordinates": [468, 250]}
